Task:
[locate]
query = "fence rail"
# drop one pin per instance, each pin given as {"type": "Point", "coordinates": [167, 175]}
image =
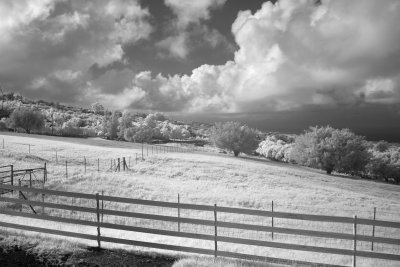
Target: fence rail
{"type": "Point", "coordinates": [210, 237]}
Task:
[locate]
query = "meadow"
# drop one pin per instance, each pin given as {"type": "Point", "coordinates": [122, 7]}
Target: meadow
{"type": "Point", "coordinates": [206, 178]}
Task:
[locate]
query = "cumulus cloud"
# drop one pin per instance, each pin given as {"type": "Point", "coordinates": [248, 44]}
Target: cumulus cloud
{"type": "Point", "coordinates": [297, 53]}
{"type": "Point", "coordinates": [291, 54]}
{"type": "Point", "coordinates": [44, 43]}
{"type": "Point", "coordinates": [186, 27]}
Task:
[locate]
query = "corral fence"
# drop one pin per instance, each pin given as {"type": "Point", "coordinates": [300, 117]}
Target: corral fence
{"type": "Point", "coordinates": [217, 224]}
{"type": "Point", "coordinates": [98, 164]}
{"type": "Point", "coordinates": [9, 175]}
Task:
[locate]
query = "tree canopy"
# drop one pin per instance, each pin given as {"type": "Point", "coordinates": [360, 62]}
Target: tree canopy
{"type": "Point", "coordinates": [235, 137]}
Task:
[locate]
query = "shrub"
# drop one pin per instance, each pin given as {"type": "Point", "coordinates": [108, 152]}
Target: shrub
{"type": "Point", "coordinates": [276, 147]}
{"type": "Point", "coordinates": [26, 119]}
{"type": "Point", "coordinates": [235, 137]}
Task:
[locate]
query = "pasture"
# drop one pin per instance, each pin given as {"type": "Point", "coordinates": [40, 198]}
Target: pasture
{"type": "Point", "coordinates": [206, 178]}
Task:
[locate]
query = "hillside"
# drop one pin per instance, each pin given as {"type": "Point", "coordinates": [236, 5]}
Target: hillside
{"type": "Point", "coordinates": [207, 178]}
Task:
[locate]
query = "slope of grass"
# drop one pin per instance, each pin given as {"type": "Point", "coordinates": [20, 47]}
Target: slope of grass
{"type": "Point", "coordinates": [208, 178]}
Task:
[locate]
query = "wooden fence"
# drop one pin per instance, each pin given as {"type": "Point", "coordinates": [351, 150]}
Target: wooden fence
{"type": "Point", "coordinates": [99, 211]}
{"type": "Point", "coordinates": [10, 175]}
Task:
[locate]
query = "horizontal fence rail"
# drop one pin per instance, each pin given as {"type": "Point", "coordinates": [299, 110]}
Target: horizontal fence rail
{"type": "Point", "coordinates": [208, 237]}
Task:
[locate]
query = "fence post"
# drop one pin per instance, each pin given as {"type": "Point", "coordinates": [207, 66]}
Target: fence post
{"type": "Point", "coordinates": [102, 205]}
{"type": "Point", "coordinates": [215, 231]}
{"type": "Point", "coordinates": [119, 165]}
{"type": "Point", "coordinates": [66, 168]}
{"type": "Point", "coordinates": [43, 202]}
{"type": "Point", "coordinates": [129, 162]}
{"type": "Point", "coordinates": [84, 161]}
{"type": "Point", "coordinates": [179, 213]}
{"type": "Point", "coordinates": [3, 143]}
{"type": "Point", "coordinates": [12, 174]}
{"type": "Point", "coordinates": [355, 241]}
{"type": "Point", "coordinates": [98, 220]}
{"type": "Point", "coordinates": [98, 165]}
{"type": "Point", "coordinates": [44, 173]}
{"type": "Point", "coordinates": [373, 230]}
{"type": "Point", "coordinates": [20, 195]}
{"type": "Point", "coordinates": [272, 220]}
{"type": "Point", "coordinates": [111, 164]}
{"type": "Point", "coordinates": [142, 150]}
{"type": "Point", "coordinates": [30, 179]}
{"type": "Point", "coordinates": [123, 163]}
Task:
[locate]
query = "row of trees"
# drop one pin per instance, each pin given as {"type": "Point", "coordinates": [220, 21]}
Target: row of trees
{"type": "Point", "coordinates": [338, 150]}
{"type": "Point", "coordinates": [135, 127]}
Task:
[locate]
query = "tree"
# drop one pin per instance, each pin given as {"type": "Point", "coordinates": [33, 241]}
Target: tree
{"type": "Point", "coordinates": [235, 137]}
{"type": "Point", "coordinates": [332, 150]}
{"type": "Point", "coordinates": [114, 125]}
{"type": "Point", "coordinates": [139, 134]}
{"type": "Point", "coordinates": [127, 120]}
{"type": "Point", "coordinates": [97, 108]}
{"type": "Point", "coordinates": [26, 119]}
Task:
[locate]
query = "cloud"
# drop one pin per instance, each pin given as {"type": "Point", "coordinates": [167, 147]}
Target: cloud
{"type": "Point", "coordinates": [187, 27]}
{"type": "Point", "coordinates": [192, 11]}
{"type": "Point", "coordinates": [43, 39]}
{"type": "Point", "coordinates": [291, 54]}
{"type": "Point", "coordinates": [297, 53]}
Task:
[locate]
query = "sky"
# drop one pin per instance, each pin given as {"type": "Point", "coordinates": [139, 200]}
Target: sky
{"type": "Point", "coordinates": [276, 65]}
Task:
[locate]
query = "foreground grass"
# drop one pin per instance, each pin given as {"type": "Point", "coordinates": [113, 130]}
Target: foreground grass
{"type": "Point", "coordinates": [208, 179]}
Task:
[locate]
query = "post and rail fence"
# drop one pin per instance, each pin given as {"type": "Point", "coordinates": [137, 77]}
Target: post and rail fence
{"type": "Point", "coordinates": [218, 222]}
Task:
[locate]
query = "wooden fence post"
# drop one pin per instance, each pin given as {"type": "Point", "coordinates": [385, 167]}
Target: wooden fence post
{"type": "Point", "coordinates": [98, 220]}
{"type": "Point", "coordinates": [142, 150]}
{"type": "Point", "coordinates": [43, 202]}
{"type": "Point", "coordinates": [44, 173]}
{"type": "Point", "coordinates": [215, 231]}
{"type": "Point", "coordinates": [20, 195]}
{"type": "Point", "coordinates": [373, 230]}
{"type": "Point", "coordinates": [119, 165]}
{"type": "Point", "coordinates": [123, 163]}
{"type": "Point", "coordinates": [179, 214]}
{"type": "Point", "coordinates": [355, 241]}
{"type": "Point", "coordinates": [272, 220]}
{"type": "Point", "coordinates": [66, 168]}
{"type": "Point", "coordinates": [102, 205]}
{"type": "Point", "coordinates": [12, 174]}
{"type": "Point", "coordinates": [30, 179]}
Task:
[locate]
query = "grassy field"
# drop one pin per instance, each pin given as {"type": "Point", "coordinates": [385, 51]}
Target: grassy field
{"type": "Point", "coordinates": [208, 178]}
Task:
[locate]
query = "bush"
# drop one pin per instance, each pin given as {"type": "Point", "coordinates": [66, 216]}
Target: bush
{"type": "Point", "coordinates": [235, 137]}
{"type": "Point", "coordinates": [26, 119]}
{"type": "Point", "coordinates": [276, 147]}
{"type": "Point", "coordinates": [332, 150]}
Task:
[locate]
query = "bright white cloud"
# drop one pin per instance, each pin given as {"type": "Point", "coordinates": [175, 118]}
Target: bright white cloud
{"type": "Point", "coordinates": [296, 53]}
{"type": "Point", "coordinates": [39, 39]}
